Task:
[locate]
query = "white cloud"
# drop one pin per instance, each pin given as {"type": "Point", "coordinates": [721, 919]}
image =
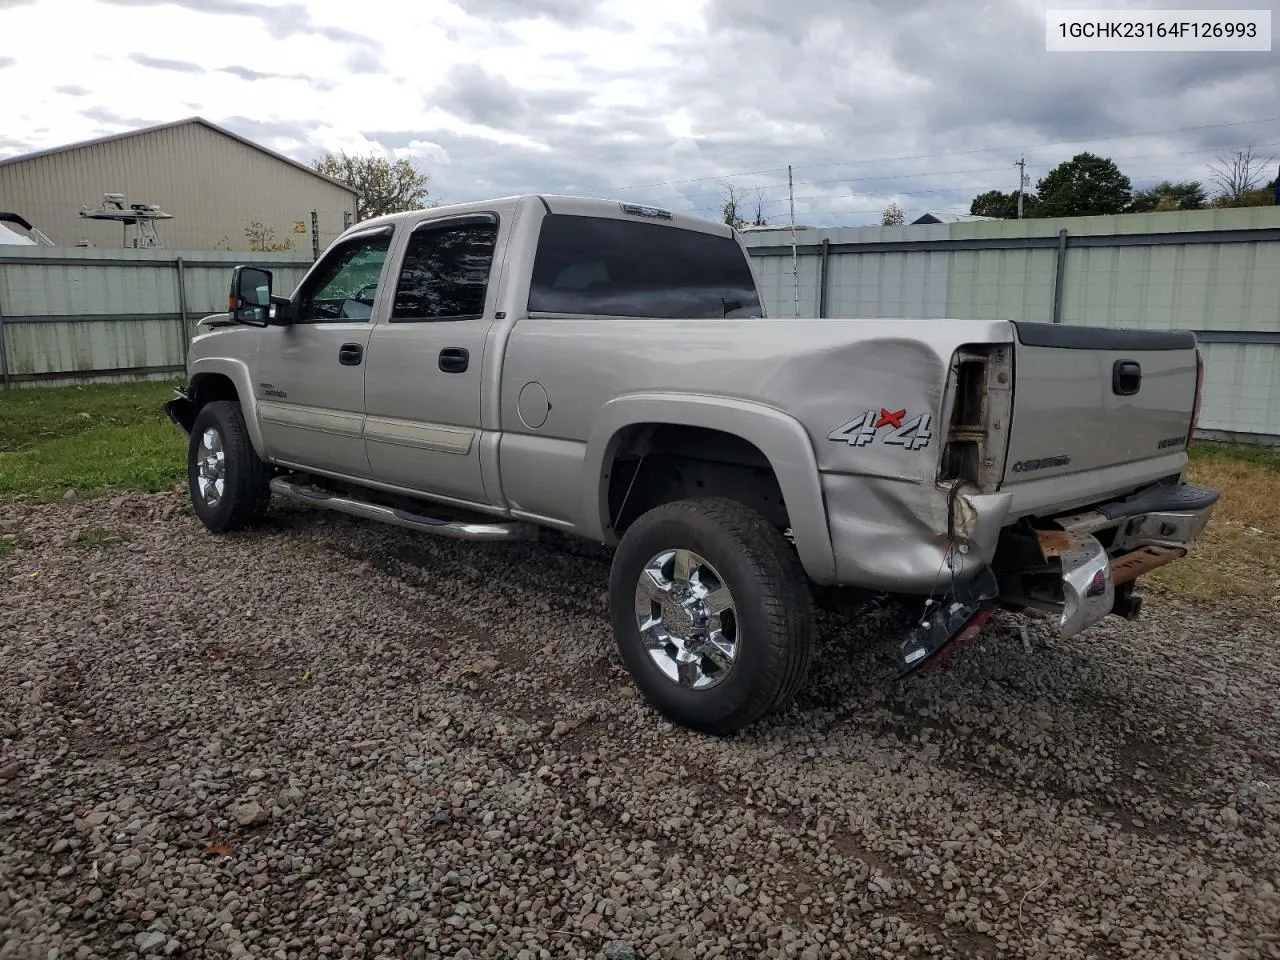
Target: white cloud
{"type": "Point", "coordinates": [595, 96]}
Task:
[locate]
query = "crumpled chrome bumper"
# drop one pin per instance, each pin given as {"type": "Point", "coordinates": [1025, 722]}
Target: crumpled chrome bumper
{"type": "Point", "coordinates": [1142, 533]}
{"type": "Point", "coordinates": [1088, 588]}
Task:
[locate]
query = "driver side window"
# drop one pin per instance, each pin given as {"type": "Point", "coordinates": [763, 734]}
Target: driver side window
{"type": "Point", "coordinates": [346, 285]}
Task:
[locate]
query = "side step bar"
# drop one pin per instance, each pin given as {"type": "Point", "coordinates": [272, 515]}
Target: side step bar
{"type": "Point", "coordinates": [454, 529]}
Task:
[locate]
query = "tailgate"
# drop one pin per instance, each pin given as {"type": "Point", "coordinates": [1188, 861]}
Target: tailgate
{"type": "Point", "coordinates": [1087, 398]}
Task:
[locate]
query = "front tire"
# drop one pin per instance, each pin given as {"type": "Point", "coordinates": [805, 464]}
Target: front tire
{"type": "Point", "coordinates": [227, 480]}
{"type": "Point", "coordinates": [712, 614]}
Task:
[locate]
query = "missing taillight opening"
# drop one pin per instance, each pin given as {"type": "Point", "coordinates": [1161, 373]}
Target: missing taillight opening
{"type": "Point", "coordinates": [962, 455]}
{"type": "Point", "coordinates": [970, 378]}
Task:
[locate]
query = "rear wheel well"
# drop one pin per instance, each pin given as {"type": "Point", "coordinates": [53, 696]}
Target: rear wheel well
{"type": "Point", "coordinates": [655, 463]}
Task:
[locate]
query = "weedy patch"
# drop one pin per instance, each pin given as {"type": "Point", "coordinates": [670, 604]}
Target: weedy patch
{"type": "Point", "coordinates": [100, 538]}
{"type": "Point", "coordinates": [9, 543]}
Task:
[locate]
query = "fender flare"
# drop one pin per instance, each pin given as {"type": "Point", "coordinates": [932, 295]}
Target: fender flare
{"type": "Point", "coordinates": [238, 373]}
{"type": "Point", "coordinates": [780, 437]}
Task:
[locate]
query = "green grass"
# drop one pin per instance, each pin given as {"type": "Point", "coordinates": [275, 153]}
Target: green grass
{"type": "Point", "coordinates": [1238, 555]}
{"type": "Point", "coordinates": [35, 414]}
{"type": "Point", "coordinates": [1255, 454]}
{"type": "Point", "coordinates": [89, 438]}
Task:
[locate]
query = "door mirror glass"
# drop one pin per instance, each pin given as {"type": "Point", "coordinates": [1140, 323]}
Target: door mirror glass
{"type": "Point", "coordinates": [250, 300]}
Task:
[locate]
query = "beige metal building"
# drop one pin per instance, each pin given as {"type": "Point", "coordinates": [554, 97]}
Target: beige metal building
{"type": "Point", "coordinates": [223, 191]}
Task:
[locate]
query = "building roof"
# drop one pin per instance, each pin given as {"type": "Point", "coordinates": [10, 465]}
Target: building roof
{"type": "Point", "coordinates": [950, 218]}
{"type": "Point", "coordinates": [22, 158]}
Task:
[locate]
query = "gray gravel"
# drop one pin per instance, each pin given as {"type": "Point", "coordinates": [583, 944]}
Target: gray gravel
{"type": "Point", "coordinates": [337, 739]}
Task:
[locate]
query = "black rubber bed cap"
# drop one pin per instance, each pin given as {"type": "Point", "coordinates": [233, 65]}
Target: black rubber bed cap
{"type": "Point", "coordinates": [1073, 337]}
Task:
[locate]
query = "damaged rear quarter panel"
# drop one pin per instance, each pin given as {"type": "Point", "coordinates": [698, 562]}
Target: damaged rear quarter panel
{"type": "Point", "coordinates": [890, 522]}
{"type": "Point", "coordinates": [885, 513]}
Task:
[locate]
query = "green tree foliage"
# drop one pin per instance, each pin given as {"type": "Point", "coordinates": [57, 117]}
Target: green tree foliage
{"type": "Point", "coordinates": [1003, 206]}
{"type": "Point", "coordinates": [1084, 186]}
{"type": "Point", "coordinates": [893, 216]}
{"type": "Point", "coordinates": [1167, 195]}
{"type": "Point", "coordinates": [385, 187]}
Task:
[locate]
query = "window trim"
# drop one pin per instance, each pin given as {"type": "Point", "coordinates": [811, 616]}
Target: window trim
{"type": "Point", "coordinates": [444, 223]}
{"type": "Point", "coordinates": [361, 235]}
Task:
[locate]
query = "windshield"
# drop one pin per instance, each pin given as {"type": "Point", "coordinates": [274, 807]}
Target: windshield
{"type": "Point", "coordinates": [603, 267]}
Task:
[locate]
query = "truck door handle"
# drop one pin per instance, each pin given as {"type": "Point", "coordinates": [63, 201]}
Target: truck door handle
{"type": "Point", "coordinates": [1126, 378]}
{"type": "Point", "coordinates": [350, 354]}
{"type": "Point", "coordinates": [454, 359]}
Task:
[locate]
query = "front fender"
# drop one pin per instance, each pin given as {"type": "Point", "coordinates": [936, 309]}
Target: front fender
{"type": "Point", "coordinates": [237, 371]}
{"type": "Point", "coordinates": [778, 436]}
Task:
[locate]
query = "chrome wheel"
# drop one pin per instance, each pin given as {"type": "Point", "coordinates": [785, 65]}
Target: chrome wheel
{"type": "Point", "coordinates": [687, 618]}
{"type": "Point", "coordinates": [211, 462]}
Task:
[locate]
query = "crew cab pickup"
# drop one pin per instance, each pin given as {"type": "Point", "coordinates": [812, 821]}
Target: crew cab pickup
{"type": "Point", "coordinates": [488, 370]}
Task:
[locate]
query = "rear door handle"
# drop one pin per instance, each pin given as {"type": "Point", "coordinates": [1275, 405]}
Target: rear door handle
{"type": "Point", "coordinates": [1126, 378]}
{"type": "Point", "coordinates": [454, 359]}
{"type": "Point", "coordinates": [350, 354]}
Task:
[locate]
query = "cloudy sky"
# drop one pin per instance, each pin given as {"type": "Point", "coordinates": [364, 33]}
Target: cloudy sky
{"type": "Point", "coordinates": [927, 102]}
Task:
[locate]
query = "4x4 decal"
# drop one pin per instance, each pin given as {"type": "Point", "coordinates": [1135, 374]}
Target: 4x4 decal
{"type": "Point", "coordinates": [913, 433]}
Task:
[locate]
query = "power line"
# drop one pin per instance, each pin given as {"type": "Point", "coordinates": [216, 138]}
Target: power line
{"type": "Point", "coordinates": [950, 153]}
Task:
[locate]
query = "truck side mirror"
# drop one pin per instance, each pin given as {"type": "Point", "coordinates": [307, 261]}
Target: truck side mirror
{"type": "Point", "coordinates": [250, 299]}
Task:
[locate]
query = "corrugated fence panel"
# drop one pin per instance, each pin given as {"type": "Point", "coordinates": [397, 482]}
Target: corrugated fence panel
{"type": "Point", "coordinates": [1227, 286]}
{"type": "Point", "coordinates": [95, 314]}
{"type": "Point", "coordinates": [80, 346]}
{"type": "Point", "coordinates": [778, 288]}
{"type": "Point", "coordinates": [1241, 388]}
{"type": "Point", "coordinates": [1000, 285]}
{"type": "Point", "coordinates": [886, 285]}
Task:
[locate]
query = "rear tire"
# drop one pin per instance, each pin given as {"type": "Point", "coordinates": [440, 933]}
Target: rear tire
{"type": "Point", "coordinates": [227, 480]}
{"type": "Point", "coordinates": [712, 613]}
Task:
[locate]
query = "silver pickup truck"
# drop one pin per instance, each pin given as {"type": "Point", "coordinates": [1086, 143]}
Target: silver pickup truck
{"type": "Point", "coordinates": [486, 370]}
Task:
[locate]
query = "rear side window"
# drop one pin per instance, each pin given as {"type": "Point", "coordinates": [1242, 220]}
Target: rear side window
{"type": "Point", "coordinates": [604, 267]}
{"type": "Point", "coordinates": [445, 273]}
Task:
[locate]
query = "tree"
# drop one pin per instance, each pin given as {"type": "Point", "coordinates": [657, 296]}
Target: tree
{"type": "Point", "coordinates": [1003, 206]}
{"type": "Point", "coordinates": [1167, 195]}
{"type": "Point", "coordinates": [1084, 186]}
{"type": "Point", "coordinates": [893, 216]}
{"type": "Point", "coordinates": [384, 187]}
{"type": "Point", "coordinates": [729, 212]}
{"type": "Point", "coordinates": [1239, 173]}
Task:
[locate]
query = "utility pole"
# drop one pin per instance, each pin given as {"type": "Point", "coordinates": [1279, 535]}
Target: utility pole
{"type": "Point", "coordinates": [795, 262]}
{"type": "Point", "coordinates": [1021, 164]}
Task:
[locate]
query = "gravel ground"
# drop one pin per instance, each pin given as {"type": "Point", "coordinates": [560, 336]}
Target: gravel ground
{"type": "Point", "coordinates": [336, 739]}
